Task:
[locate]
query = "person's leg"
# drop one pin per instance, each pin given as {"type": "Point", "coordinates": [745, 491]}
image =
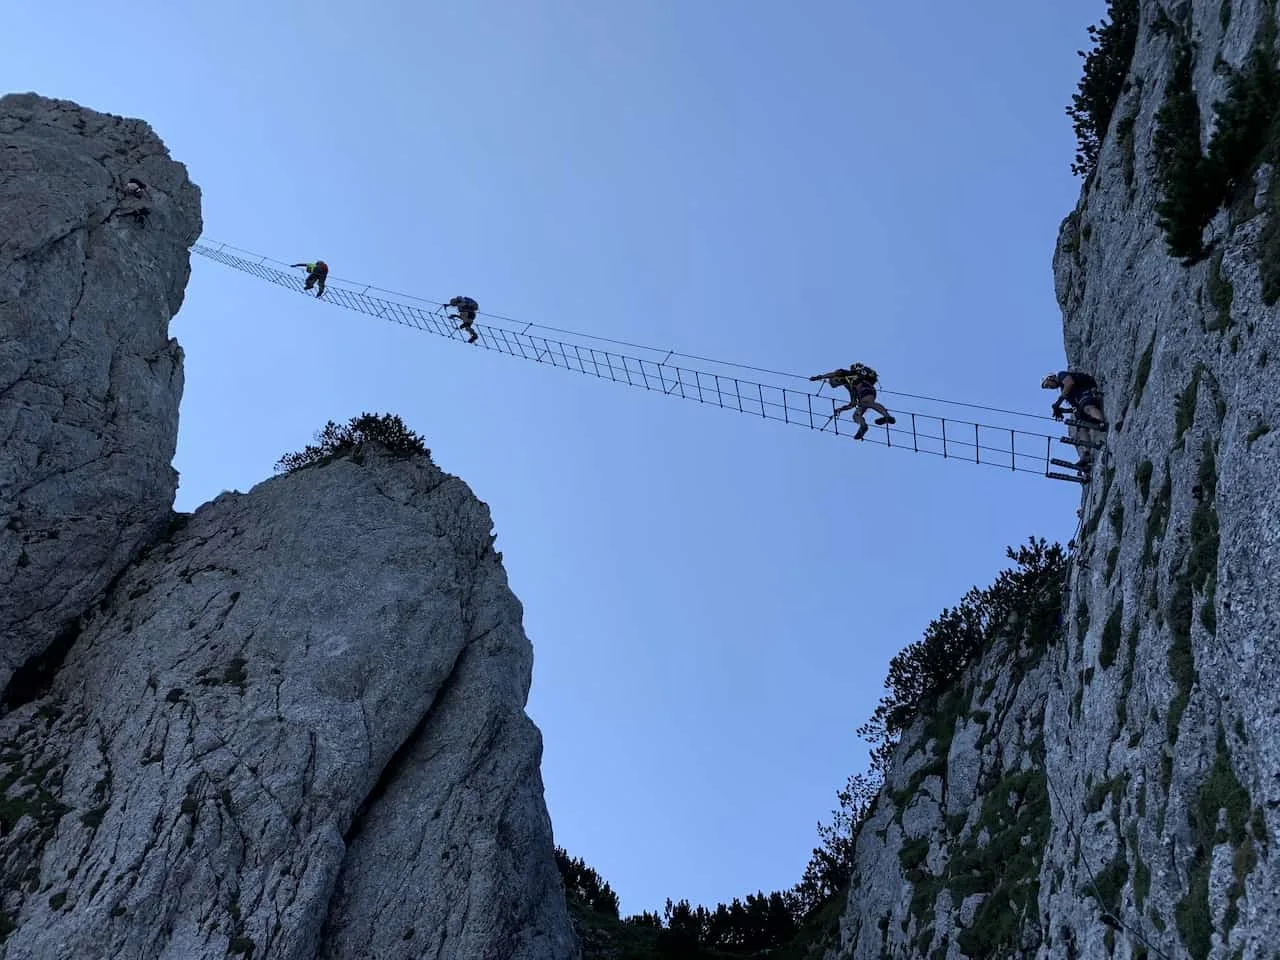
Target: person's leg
{"type": "Point", "coordinates": [853, 402]}
{"type": "Point", "coordinates": [861, 420]}
{"type": "Point", "coordinates": [1082, 435]}
{"type": "Point", "coordinates": [885, 415]}
{"type": "Point", "coordinates": [320, 285]}
{"type": "Point", "coordinates": [311, 281]}
{"type": "Point", "coordinates": [869, 402]}
{"type": "Point", "coordinates": [1088, 408]}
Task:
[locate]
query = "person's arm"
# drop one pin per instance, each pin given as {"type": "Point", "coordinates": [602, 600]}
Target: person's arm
{"type": "Point", "coordinates": [824, 376]}
{"type": "Point", "coordinates": [1067, 385]}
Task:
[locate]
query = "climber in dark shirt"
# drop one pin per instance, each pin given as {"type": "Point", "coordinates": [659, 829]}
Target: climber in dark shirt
{"type": "Point", "coordinates": [1081, 391]}
{"type": "Point", "coordinates": [466, 308]}
{"type": "Point", "coordinates": [316, 274]}
{"type": "Point", "coordinates": [860, 380]}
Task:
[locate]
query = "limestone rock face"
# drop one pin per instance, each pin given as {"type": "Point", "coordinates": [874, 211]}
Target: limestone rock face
{"type": "Point", "coordinates": [289, 726]}
{"type": "Point", "coordinates": [1147, 816]}
{"type": "Point", "coordinates": [89, 378]}
{"type": "Point", "coordinates": [296, 725]}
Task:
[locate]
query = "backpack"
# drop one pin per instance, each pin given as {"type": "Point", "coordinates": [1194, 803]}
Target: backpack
{"type": "Point", "coordinates": [860, 372]}
{"type": "Point", "coordinates": [1083, 382]}
{"type": "Point", "coordinates": [465, 303]}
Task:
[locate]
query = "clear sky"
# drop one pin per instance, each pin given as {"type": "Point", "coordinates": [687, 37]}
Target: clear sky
{"type": "Point", "coordinates": [712, 600]}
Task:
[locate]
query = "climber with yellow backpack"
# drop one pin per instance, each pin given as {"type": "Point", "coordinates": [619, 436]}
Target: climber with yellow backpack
{"type": "Point", "coordinates": [860, 380]}
{"type": "Point", "coordinates": [316, 274]}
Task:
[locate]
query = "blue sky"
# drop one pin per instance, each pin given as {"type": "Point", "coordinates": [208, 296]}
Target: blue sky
{"type": "Point", "coordinates": [713, 600]}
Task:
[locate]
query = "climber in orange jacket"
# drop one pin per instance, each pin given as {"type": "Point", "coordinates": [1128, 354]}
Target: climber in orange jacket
{"type": "Point", "coordinates": [316, 274]}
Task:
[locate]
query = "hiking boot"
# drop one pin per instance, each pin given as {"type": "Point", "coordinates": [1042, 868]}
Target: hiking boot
{"type": "Point", "coordinates": [862, 432]}
{"type": "Point", "coordinates": [881, 421]}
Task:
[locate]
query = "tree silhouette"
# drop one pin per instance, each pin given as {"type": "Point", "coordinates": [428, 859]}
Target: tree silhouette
{"type": "Point", "coordinates": [1187, 198]}
{"type": "Point", "coordinates": [831, 865]}
{"type": "Point", "coordinates": [587, 885]}
{"type": "Point", "coordinates": [337, 440]}
{"type": "Point", "coordinates": [927, 668]}
{"type": "Point", "coordinates": [1106, 66]}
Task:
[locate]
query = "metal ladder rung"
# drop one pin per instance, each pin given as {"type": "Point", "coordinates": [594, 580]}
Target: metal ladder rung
{"type": "Point", "coordinates": [1066, 476]}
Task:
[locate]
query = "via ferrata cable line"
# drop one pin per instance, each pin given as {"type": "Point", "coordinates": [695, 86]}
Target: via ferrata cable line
{"type": "Point", "coordinates": [1009, 448]}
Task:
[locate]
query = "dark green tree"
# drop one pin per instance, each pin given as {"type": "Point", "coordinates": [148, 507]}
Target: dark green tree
{"type": "Point", "coordinates": [588, 886]}
{"type": "Point", "coordinates": [645, 919]}
{"type": "Point", "coordinates": [1248, 117]}
{"type": "Point", "coordinates": [1106, 66]}
{"type": "Point", "coordinates": [831, 865]}
{"type": "Point", "coordinates": [338, 440]}
{"type": "Point", "coordinates": [927, 668]}
{"type": "Point", "coordinates": [1188, 187]}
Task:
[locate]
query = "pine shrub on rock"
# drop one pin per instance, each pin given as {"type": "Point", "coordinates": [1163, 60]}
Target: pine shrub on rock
{"type": "Point", "coordinates": [335, 440]}
{"type": "Point", "coordinates": [1103, 82]}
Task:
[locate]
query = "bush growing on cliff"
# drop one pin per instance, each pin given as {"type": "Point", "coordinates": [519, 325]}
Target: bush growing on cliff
{"type": "Point", "coordinates": [830, 865]}
{"type": "Point", "coordinates": [337, 440]}
{"type": "Point", "coordinates": [926, 669]}
{"type": "Point", "coordinates": [1103, 82]}
{"type": "Point", "coordinates": [1248, 117]}
{"type": "Point", "coordinates": [1195, 184]}
{"type": "Point", "coordinates": [1187, 202]}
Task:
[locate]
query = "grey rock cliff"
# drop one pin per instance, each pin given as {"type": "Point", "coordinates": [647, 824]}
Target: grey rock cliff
{"type": "Point", "coordinates": [1144, 822]}
{"type": "Point", "coordinates": [297, 724]}
{"type": "Point", "coordinates": [89, 379]}
{"type": "Point", "coordinates": [289, 726]}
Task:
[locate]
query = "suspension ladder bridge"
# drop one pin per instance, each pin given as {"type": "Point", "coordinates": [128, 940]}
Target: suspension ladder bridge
{"type": "Point", "coordinates": [725, 385]}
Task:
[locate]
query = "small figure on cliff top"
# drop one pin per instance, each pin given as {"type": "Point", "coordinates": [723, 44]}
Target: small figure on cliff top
{"type": "Point", "coordinates": [466, 308]}
{"type": "Point", "coordinates": [1081, 391]}
{"type": "Point", "coordinates": [316, 274]}
{"type": "Point", "coordinates": [860, 380]}
{"type": "Point", "coordinates": [135, 188]}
